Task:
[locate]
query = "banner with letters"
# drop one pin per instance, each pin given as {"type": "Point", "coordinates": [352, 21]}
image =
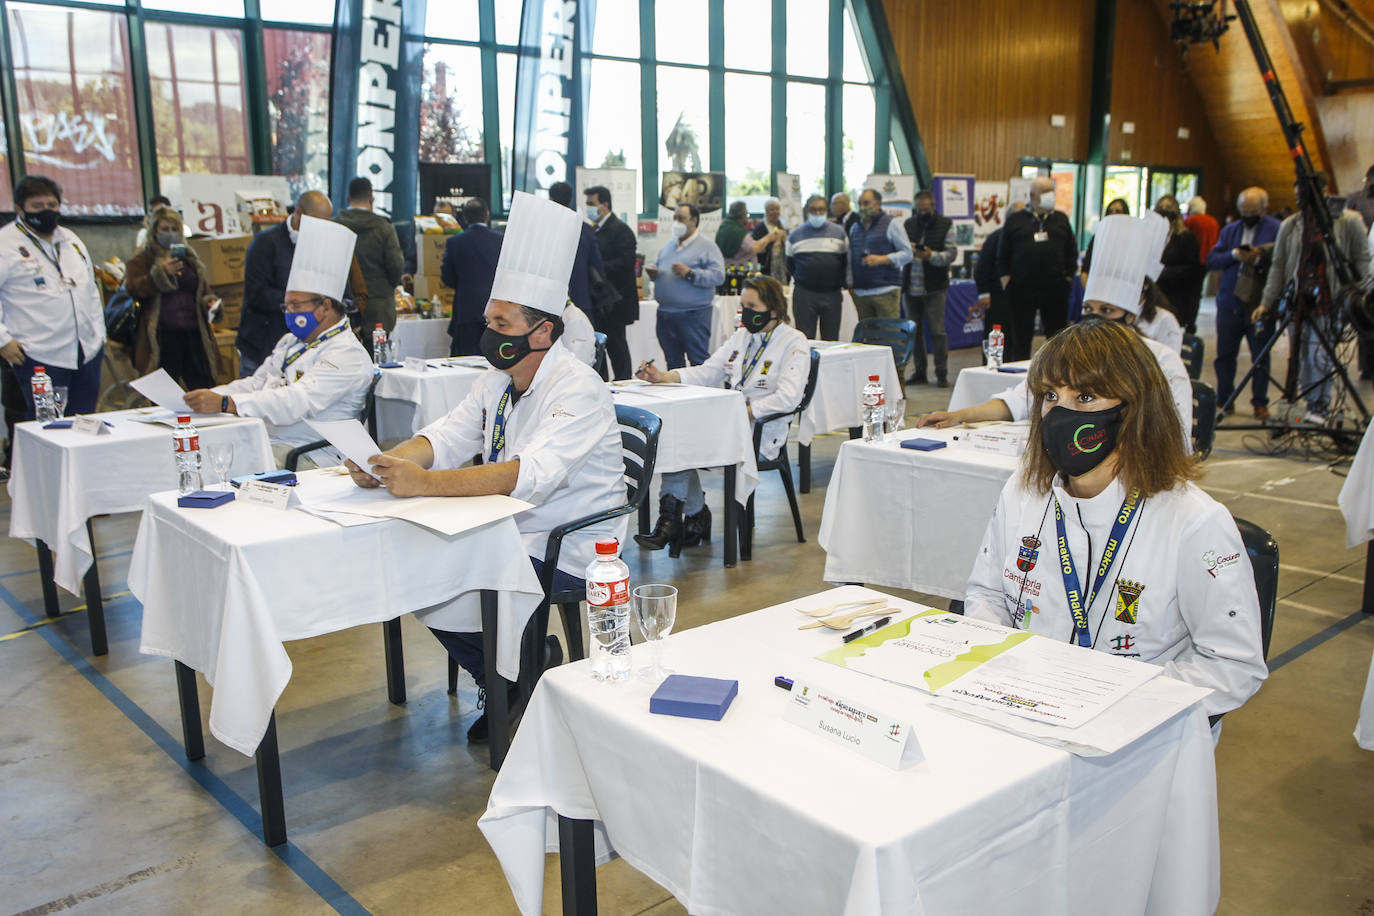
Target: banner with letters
{"type": "Point", "coordinates": [549, 100]}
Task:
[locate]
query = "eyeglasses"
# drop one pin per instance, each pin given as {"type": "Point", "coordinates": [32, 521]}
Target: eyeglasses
{"type": "Point", "coordinates": [312, 302]}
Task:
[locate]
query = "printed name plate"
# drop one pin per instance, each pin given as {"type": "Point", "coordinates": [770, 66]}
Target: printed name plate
{"type": "Point", "coordinates": [92, 425]}
{"type": "Point", "coordinates": [415, 363]}
{"type": "Point", "coordinates": [274, 495]}
{"type": "Point", "coordinates": [858, 727]}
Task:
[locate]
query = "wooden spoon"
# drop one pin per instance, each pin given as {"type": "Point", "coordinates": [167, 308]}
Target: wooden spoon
{"type": "Point", "coordinates": [822, 611]}
{"type": "Point", "coordinates": [843, 621]}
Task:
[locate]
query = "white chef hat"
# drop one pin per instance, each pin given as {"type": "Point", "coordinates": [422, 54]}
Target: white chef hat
{"type": "Point", "coordinates": [324, 253]}
{"type": "Point", "coordinates": [537, 254]}
{"type": "Point", "coordinates": [1125, 251]}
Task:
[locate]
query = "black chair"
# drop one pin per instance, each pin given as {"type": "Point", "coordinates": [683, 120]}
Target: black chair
{"type": "Point", "coordinates": [1204, 418]}
{"type": "Point", "coordinates": [639, 431]}
{"type": "Point", "coordinates": [1193, 352]}
{"type": "Point", "coordinates": [368, 417]}
{"type": "Point", "coordinates": [897, 333]}
{"type": "Point", "coordinates": [599, 357]}
{"type": "Point", "coordinates": [780, 463]}
{"type": "Point", "coordinates": [1264, 559]}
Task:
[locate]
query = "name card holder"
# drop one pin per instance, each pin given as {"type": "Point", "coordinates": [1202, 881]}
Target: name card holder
{"type": "Point", "coordinates": [415, 363]}
{"type": "Point", "coordinates": [865, 731]}
{"type": "Point", "coordinates": [272, 495]}
{"type": "Point", "coordinates": [93, 426]}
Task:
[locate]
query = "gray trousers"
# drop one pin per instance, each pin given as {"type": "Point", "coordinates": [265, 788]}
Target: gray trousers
{"type": "Point", "coordinates": [929, 310]}
{"type": "Point", "coordinates": [810, 306]}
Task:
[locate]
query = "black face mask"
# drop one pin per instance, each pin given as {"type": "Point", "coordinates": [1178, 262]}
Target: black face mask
{"type": "Point", "coordinates": [43, 222]}
{"type": "Point", "coordinates": [1170, 215]}
{"type": "Point", "coordinates": [1079, 440]}
{"type": "Point", "coordinates": [505, 350]}
{"type": "Point", "coordinates": [1250, 222]}
{"type": "Point", "coordinates": [753, 321]}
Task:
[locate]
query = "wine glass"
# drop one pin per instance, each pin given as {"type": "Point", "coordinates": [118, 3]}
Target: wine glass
{"type": "Point", "coordinates": [655, 612]}
{"type": "Point", "coordinates": [223, 457]}
{"type": "Point", "coordinates": [895, 414]}
{"type": "Point", "coordinates": [59, 400]}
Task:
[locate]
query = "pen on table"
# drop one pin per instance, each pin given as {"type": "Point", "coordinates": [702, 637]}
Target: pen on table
{"type": "Point", "coordinates": [864, 631]}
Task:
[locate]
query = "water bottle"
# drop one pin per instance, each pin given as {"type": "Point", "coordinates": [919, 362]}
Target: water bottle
{"type": "Point", "coordinates": [874, 409]}
{"type": "Point", "coordinates": [608, 612]}
{"type": "Point", "coordinates": [43, 407]}
{"type": "Point", "coordinates": [379, 354]}
{"type": "Point", "coordinates": [997, 341]}
{"type": "Point", "coordinates": [186, 445]}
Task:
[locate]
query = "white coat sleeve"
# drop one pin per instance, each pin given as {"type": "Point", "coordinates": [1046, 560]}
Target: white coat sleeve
{"type": "Point", "coordinates": [983, 597]}
{"type": "Point", "coordinates": [1219, 606]}
{"type": "Point", "coordinates": [258, 381]}
{"type": "Point", "coordinates": [578, 335]}
{"type": "Point", "coordinates": [461, 433]}
{"type": "Point", "coordinates": [796, 366]}
{"type": "Point", "coordinates": [1018, 400]}
{"type": "Point", "coordinates": [1181, 389]}
{"type": "Point", "coordinates": [345, 371]}
{"type": "Point", "coordinates": [712, 372]}
{"type": "Point", "coordinates": [570, 429]}
{"type": "Point", "coordinates": [6, 270]}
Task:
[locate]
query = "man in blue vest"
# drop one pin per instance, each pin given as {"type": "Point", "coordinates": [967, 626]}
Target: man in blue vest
{"type": "Point", "coordinates": [817, 258]}
{"type": "Point", "coordinates": [878, 250]}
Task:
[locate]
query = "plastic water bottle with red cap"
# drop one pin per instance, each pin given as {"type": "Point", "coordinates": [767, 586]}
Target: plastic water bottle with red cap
{"type": "Point", "coordinates": [608, 612]}
{"type": "Point", "coordinates": [379, 346]}
{"type": "Point", "coordinates": [186, 445]}
{"type": "Point", "coordinates": [873, 409]}
{"type": "Point", "coordinates": [44, 409]}
{"type": "Point", "coordinates": [997, 342]}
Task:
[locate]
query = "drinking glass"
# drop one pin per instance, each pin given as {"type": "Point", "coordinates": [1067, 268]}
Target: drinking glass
{"type": "Point", "coordinates": [895, 414]}
{"type": "Point", "coordinates": [59, 400]}
{"type": "Point", "coordinates": [223, 457]}
{"type": "Point", "coordinates": [655, 611]}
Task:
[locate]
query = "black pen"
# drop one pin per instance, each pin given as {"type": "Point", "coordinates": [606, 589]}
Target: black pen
{"type": "Point", "coordinates": [864, 631]}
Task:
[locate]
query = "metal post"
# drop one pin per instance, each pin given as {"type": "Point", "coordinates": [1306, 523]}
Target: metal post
{"type": "Point", "coordinates": [731, 519]}
{"type": "Point", "coordinates": [95, 605]}
{"type": "Point", "coordinates": [395, 661]}
{"type": "Point", "coordinates": [498, 702]}
{"type": "Point", "coordinates": [577, 864]}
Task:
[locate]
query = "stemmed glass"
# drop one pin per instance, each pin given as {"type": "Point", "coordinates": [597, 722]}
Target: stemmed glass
{"type": "Point", "coordinates": [59, 400]}
{"type": "Point", "coordinates": [223, 457]}
{"type": "Point", "coordinates": [895, 415]}
{"type": "Point", "coordinates": [655, 612]}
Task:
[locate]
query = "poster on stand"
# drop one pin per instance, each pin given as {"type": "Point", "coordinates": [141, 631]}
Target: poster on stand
{"type": "Point", "coordinates": [704, 190]}
{"type": "Point", "coordinates": [954, 196]}
{"type": "Point", "coordinates": [622, 183]}
{"type": "Point", "coordinates": [990, 202]}
{"type": "Point", "coordinates": [898, 191]}
{"type": "Point", "coordinates": [790, 196]}
{"type": "Point", "coordinates": [453, 183]}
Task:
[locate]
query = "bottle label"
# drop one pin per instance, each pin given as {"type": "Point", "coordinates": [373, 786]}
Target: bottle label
{"type": "Point", "coordinates": [608, 594]}
{"type": "Point", "coordinates": [873, 397]}
{"type": "Point", "coordinates": [186, 443]}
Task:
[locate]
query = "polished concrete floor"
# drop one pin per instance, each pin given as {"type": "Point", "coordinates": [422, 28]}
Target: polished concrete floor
{"type": "Point", "coordinates": [101, 813]}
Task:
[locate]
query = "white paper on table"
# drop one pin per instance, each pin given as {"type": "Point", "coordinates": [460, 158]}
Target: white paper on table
{"type": "Point", "coordinates": [169, 418]}
{"type": "Point", "coordinates": [351, 439]}
{"type": "Point", "coordinates": [163, 390]}
{"type": "Point", "coordinates": [448, 515]}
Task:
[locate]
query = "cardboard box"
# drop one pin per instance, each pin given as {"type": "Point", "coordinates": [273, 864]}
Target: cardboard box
{"type": "Point", "coordinates": [223, 256]}
{"type": "Point", "coordinates": [231, 297]}
{"type": "Point", "coordinates": [429, 253]}
{"type": "Point", "coordinates": [228, 356]}
{"type": "Point", "coordinates": [430, 287]}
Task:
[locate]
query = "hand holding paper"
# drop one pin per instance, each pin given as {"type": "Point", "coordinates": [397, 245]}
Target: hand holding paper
{"type": "Point", "coordinates": [162, 390]}
{"type": "Point", "coordinates": [350, 438]}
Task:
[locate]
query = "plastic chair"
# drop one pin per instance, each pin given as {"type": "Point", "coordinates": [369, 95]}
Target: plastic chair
{"type": "Point", "coordinates": [1193, 352]}
{"type": "Point", "coordinates": [897, 333]}
{"type": "Point", "coordinates": [368, 416]}
{"type": "Point", "coordinates": [1264, 559]}
{"type": "Point", "coordinates": [639, 431]}
{"type": "Point", "coordinates": [599, 356]}
{"type": "Point", "coordinates": [780, 463]}
{"type": "Point", "coordinates": [1204, 418]}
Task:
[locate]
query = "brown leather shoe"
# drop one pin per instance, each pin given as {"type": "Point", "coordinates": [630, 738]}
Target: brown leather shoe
{"type": "Point", "coordinates": [1261, 412]}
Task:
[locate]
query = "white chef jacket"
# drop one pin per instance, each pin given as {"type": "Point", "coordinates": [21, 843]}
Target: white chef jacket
{"type": "Point", "coordinates": [328, 382]}
{"type": "Point", "coordinates": [578, 334]}
{"type": "Point", "coordinates": [1019, 400]}
{"type": "Point", "coordinates": [46, 309]}
{"type": "Point", "coordinates": [1182, 575]}
{"type": "Point", "coordinates": [776, 381]}
{"type": "Point", "coordinates": [1164, 328]}
{"type": "Point", "coordinates": [564, 432]}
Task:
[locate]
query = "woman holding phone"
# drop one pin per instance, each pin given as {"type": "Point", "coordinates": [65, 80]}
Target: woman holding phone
{"type": "Point", "coordinates": [174, 332]}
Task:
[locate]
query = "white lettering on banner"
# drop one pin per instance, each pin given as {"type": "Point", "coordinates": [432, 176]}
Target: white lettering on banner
{"type": "Point", "coordinates": [553, 108]}
{"type": "Point", "coordinates": [376, 115]}
{"type": "Point", "coordinates": [42, 133]}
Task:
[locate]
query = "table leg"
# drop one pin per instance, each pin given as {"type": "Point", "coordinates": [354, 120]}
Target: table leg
{"type": "Point", "coordinates": [46, 580]}
{"type": "Point", "coordinates": [395, 661]}
{"type": "Point", "coordinates": [1368, 604]}
{"type": "Point", "coordinates": [188, 698]}
{"type": "Point", "coordinates": [577, 862]}
{"type": "Point", "coordinates": [95, 605]}
{"type": "Point", "coordinates": [498, 703]}
{"type": "Point", "coordinates": [804, 462]}
{"type": "Point", "coordinates": [269, 787]}
{"type": "Point", "coordinates": [731, 518]}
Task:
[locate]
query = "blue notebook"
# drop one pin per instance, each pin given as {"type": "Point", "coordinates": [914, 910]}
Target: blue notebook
{"type": "Point", "coordinates": [205, 499]}
{"type": "Point", "coordinates": [924, 445]}
{"type": "Point", "coordinates": [1011, 368]}
{"type": "Point", "coordinates": [693, 697]}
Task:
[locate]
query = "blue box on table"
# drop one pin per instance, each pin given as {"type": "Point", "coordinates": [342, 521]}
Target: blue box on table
{"type": "Point", "coordinates": [205, 499]}
{"type": "Point", "coordinates": [693, 697]}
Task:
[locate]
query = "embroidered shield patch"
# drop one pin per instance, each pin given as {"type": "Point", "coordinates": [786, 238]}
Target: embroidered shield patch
{"type": "Point", "coordinates": [1128, 600]}
{"type": "Point", "coordinates": [1027, 554]}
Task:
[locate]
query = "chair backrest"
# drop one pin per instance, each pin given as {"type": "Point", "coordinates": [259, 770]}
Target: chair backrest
{"type": "Point", "coordinates": [813, 374]}
{"type": "Point", "coordinates": [368, 415]}
{"type": "Point", "coordinates": [599, 356]}
{"type": "Point", "coordinates": [1264, 559]}
{"type": "Point", "coordinates": [1193, 351]}
{"type": "Point", "coordinates": [1204, 418]}
{"type": "Point", "coordinates": [639, 431]}
{"type": "Point", "coordinates": [897, 333]}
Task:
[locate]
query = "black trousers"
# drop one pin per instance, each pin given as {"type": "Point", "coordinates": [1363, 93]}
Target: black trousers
{"type": "Point", "coordinates": [1050, 300]}
{"type": "Point", "coordinates": [466, 338]}
{"type": "Point", "coordinates": [182, 354]}
{"type": "Point", "coordinates": [15, 404]}
{"type": "Point", "coordinates": [617, 347]}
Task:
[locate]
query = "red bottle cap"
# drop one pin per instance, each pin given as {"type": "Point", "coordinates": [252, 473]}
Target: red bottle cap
{"type": "Point", "coordinates": [379, 324]}
{"type": "Point", "coordinates": [872, 378]}
{"type": "Point", "coordinates": [997, 327]}
{"type": "Point", "coordinates": [607, 547]}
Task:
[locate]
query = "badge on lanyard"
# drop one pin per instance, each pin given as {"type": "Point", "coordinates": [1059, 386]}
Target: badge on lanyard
{"type": "Point", "coordinates": [1042, 236]}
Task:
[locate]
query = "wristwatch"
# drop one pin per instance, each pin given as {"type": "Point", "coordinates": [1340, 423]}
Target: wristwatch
{"type": "Point", "coordinates": [691, 274]}
{"type": "Point", "coordinates": [224, 404]}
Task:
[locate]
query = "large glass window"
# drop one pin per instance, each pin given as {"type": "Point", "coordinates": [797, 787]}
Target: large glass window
{"type": "Point", "coordinates": [860, 126]}
{"type": "Point", "coordinates": [229, 8]}
{"type": "Point", "coordinates": [613, 123]}
{"type": "Point", "coordinates": [298, 106]}
{"type": "Point", "coordinates": [309, 12]}
{"type": "Point", "coordinates": [808, 38]}
{"type": "Point", "coordinates": [196, 76]}
{"type": "Point", "coordinates": [452, 19]}
{"type": "Point", "coordinates": [749, 34]}
{"type": "Point", "coordinates": [451, 105]}
{"type": "Point", "coordinates": [616, 30]}
{"type": "Point", "coordinates": [71, 73]}
{"type": "Point", "coordinates": [6, 192]}
{"type": "Point", "coordinates": [749, 137]}
{"type": "Point", "coordinates": [507, 21]}
{"type": "Point", "coordinates": [681, 33]}
{"type": "Point", "coordinates": [505, 88]}
{"type": "Point", "coordinates": [684, 121]}
{"type": "Point", "coordinates": [806, 135]}
{"type": "Point", "coordinates": [855, 62]}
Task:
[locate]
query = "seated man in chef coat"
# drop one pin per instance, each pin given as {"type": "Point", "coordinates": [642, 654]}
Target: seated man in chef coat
{"type": "Point", "coordinates": [542, 420]}
{"type": "Point", "coordinates": [317, 371]}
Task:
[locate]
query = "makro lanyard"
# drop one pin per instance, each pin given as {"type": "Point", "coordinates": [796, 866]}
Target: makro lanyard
{"type": "Point", "coordinates": [758, 354]}
{"type": "Point", "coordinates": [498, 426]}
{"type": "Point", "coordinates": [1073, 589]}
{"type": "Point", "coordinates": [292, 357]}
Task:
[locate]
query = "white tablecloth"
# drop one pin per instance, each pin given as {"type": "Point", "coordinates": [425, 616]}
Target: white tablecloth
{"type": "Point", "coordinates": [1364, 728]}
{"type": "Point", "coordinates": [408, 401]}
{"type": "Point", "coordinates": [702, 428]}
{"type": "Point", "coordinates": [60, 478]}
{"type": "Point", "coordinates": [753, 815]}
{"type": "Point", "coordinates": [844, 370]}
{"type": "Point", "coordinates": [977, 384]}
{"type": "Point", "coordinates": [910, 519]}
{"type": "Point", "coordinates": [223, 588]}
{"type": "Point", "coordinates": [425, 337]}
{"type": "Point", "coordinates": [1357, 505]}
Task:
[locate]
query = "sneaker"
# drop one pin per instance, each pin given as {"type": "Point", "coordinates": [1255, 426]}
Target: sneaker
{"type": "Point", "coordinates": [1314, 418]}
{"type": "Point", "coordinates": [1261, 411]}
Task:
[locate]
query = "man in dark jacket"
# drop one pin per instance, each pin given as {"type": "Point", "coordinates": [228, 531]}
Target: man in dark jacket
{"type": "Point", "coordinates": [265, 270]}
{"type": "Point", "coordinates": [588, 254]}
{"type": "Point", "coordinates": [469, 267]}
{"type": "Point", "coordinates": [1036, 261]}
{"type": "Point", "coordinates": [378, 256]}
{"type": "Point", "coordinates": [617, 243]}
{"type": "Point", "coordinates": [927, 278]}
{"type": "Point", "coordinates": [990, 293]}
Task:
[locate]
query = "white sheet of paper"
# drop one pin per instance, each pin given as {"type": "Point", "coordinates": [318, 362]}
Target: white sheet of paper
{"type": "Point", "coordinates": [162, 390]}
{"type": "Point", "coordinates": [348, 436]}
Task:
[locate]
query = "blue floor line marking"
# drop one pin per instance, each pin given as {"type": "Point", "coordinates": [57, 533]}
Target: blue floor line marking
{"type": "Point", "coordinates": [1316, 639]}
{"type": "Point", "coordinates": [315, 877]}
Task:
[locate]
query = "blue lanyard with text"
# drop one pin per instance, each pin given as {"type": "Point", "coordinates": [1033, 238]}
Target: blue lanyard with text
{"type": "Point", "coordinates": [749, 367]}
{"type": "Point", "coordinates": [292, 357]}
{"type": "Point", "coordinates": [1072, 588]}
{"type": "Point", "coordinates": [498, 426]}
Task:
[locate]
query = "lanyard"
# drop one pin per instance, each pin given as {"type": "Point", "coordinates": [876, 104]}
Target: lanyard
{"type": "Point", "coordinates": [292, 357]}
{"type": "Point", "coordinates": [498, 426]}
{"type": "Point", "coordinates": [57, 248]}
{"type": "Point", "coordinates": [1072, 588]}
{"type": "Point", "coordinates": [758, 354]}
